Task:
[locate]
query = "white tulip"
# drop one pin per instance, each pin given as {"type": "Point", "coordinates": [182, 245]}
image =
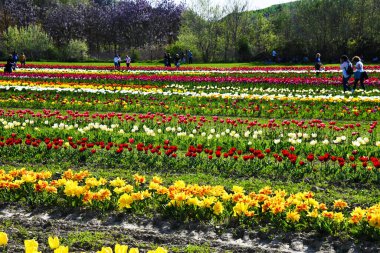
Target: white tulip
{"type": "Point", "coordinates": [313, 142]}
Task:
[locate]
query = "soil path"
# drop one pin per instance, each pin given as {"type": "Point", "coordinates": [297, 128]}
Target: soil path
{"type": "Point", "coordinates": [21, 224]}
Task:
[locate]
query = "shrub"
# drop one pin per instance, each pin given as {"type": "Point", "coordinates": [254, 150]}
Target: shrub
{"type": "Point", "coordinates": [76, 50]}
{"type": "Point", "coordinates": [31, 40]}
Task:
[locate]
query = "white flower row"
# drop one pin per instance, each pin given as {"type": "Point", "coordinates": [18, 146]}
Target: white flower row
{"type": "Point", "coordinates": [268, 97]}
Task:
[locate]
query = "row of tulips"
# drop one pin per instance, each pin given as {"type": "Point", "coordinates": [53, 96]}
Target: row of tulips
{"type": "Point", "coordinates": [187, 130]}
{"type": "Point", "coordinates": [151, 119]}
{"type": "Point", "coordinates": [184, 89]}
{"type": "Point", "coordinates": [192, 68]}
{"type": "Point", "coordinates": [211, 73]}
{"type": "Point", "coordinates": [298, 81]}
{"type": "Point", "coordinates": [31, 246]}
{"type": "Point", "coordinates": [168, 157]}
{"type": "Point", "coordinates": [189, 201]}
{"type": "Point", "coordinates": [256, 106]}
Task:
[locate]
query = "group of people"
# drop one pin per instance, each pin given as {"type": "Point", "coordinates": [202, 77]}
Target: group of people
{"type": "Point", "coordinates": [355, 68]}
{"type": "Point", "coordinates": [347, 69]}
{"type": "Point", "coordinates": [117, 61]}
{"type": "Point", "coordinates": [178, 58]}
{"type": "Point", "coordinates": [12, 62]}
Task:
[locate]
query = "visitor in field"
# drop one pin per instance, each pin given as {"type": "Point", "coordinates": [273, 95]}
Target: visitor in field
{"type": "Point", "coordinates": [359, 74]}
{"type": "Point", "coordinates": [128, 61]}
{"type": "Point", "coordinates": [177, 60]}
{"type": "Point", "coordinates": [9, 65]}
{"type": "Point", "coordinates": [190, 56]}
{"type": "Point", "coordinates": [166, 60]}
{"type": "Point", "coordinates": [23, 60]}
{"type": "Point", "coordinates": [347, 71]}
{"type": "Point", "coordinates": [183, 58]}
{"type": "Point", "coordinates": [274, 56]}
{"type": "Point", "coordinates": [116, 61]}
{"type": "Point", "coordinates": [169, 60]}
{"type": "Point", "coordinates": [15, 59]}
{"type": "Point", "coordinates": [318, 64]}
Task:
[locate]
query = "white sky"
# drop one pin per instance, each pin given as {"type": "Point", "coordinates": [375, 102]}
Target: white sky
{"type": "Point", "coordinates": [252, 4]}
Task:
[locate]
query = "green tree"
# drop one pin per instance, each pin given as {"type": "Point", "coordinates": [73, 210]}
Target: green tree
{"type": "Point", "coordinates": [31, 40]}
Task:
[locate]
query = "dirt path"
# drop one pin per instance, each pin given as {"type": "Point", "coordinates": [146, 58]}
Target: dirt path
{"type": "Point", "coordinates": [21, 224]}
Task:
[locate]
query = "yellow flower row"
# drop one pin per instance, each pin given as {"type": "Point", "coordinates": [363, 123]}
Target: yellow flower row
{"type": "Point", "coordinates": [31, 246]}
{"type": "Point", "coordinates": [181, 196]}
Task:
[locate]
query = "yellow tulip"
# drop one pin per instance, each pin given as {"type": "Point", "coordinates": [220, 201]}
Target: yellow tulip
{"type": "Point", "coordinates": [53, 242]}
{"type": "Point", "coordinates": [62, 249]}
{"type": "Point", "coordinates": [3, 238]}
{"type": "Point", "coordinates": [121, 248]}
{"type": "Point", "coordinates": [105, 250]}
{"type": "Point", "coordinates": [134, 250]}
{"type": "Point", "coordinates": [31, 246]}
{"type": "Point", "coordinates": [218, 208]}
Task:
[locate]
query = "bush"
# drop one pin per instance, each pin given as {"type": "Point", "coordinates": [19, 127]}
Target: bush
{"type": "Point", "coordinates": [31, 40]}
{"type": "Point", "coordinates": [76, 50]}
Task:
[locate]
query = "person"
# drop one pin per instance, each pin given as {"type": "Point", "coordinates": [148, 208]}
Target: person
{"type": "Point", "coordinates": [318, 64]}
{"type": "Point", "coordinates": [15, 59]}
{"type": "Point", "coordinates": [23, 60]}
{"type": "Point", "coordinates": [274, 56]}
{"type": "Point", "coordinates": [9, 65]}
{"type": "Point", "coordinates": [169, 60]}
{"type": "Point", "coordinates": [346, 67]}
{"type": "Point", "coordinates": [359, 73]}
{"type": "Point", "coordinates": [177, 60]}
{"type": "Point", "coordinates": [183, 58]}
{"type": "Point", "coordinates": [128, 61]}
{"type": "Point", "coordinates": [116, 61]}
{"type": "Point", "coordinates": [190, 56]}
{"type": "Point", "coordinates": [166, 60]}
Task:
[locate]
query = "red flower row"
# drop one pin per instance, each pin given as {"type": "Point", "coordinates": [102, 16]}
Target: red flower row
{"type": "Point", "coordinates": [335, 81]}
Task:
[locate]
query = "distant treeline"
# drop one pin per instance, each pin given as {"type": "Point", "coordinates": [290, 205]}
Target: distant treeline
{"type": "Point", "coordinates": [296, 30]}
{"type": "Point", "coordinates": [104, 25]}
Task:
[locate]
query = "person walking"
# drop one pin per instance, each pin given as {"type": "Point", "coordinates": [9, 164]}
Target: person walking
{"type": "Point", "coordinates": [116, 61]}
{"type": "Point", "coordinates": [23, 60]}
{"type": "Point", "coordinates": [359, 74]}
{"type": "Point", "coordinates": [177, 61]}
{"type": "Point", "coordinates": [318, 64]}
{"type": "Point", "coordinates": [9, 65]}
{"type": "Point", "coordinates": [347, 71]}
{"type": "Point", "coordinates": [274, 56]}
{"type": "Point", "coordinates": [190, 57]}
{"type": "Point", "coordinates": [15, 59]}
{"type": "Point", "coordinates": [128, 61]}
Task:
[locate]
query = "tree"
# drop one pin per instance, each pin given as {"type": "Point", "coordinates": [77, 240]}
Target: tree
{"type": "Point", "coordinates": [32, 40]}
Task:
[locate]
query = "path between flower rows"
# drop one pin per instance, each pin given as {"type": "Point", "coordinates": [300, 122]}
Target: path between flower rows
{"type": "Point", "coordinates": [40, 223]}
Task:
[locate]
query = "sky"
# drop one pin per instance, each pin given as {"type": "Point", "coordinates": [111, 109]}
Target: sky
{"type": "Point", "coordinates": [252, 4]}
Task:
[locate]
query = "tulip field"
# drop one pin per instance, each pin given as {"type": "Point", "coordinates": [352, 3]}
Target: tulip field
{"type": "Point", "coordinates": [247, 152]}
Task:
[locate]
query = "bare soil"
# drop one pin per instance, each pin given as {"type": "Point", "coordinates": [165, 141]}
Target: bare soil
{"type": "Point", "coordinates": [21, 223]}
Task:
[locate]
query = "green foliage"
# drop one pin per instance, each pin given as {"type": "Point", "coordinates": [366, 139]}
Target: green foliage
{"type": "Point", "coordinates": [135, 56]}
{"type": "Point", "coordinates": [76, 50]}
{"type": "Point", "coordinates": [32, 40]}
